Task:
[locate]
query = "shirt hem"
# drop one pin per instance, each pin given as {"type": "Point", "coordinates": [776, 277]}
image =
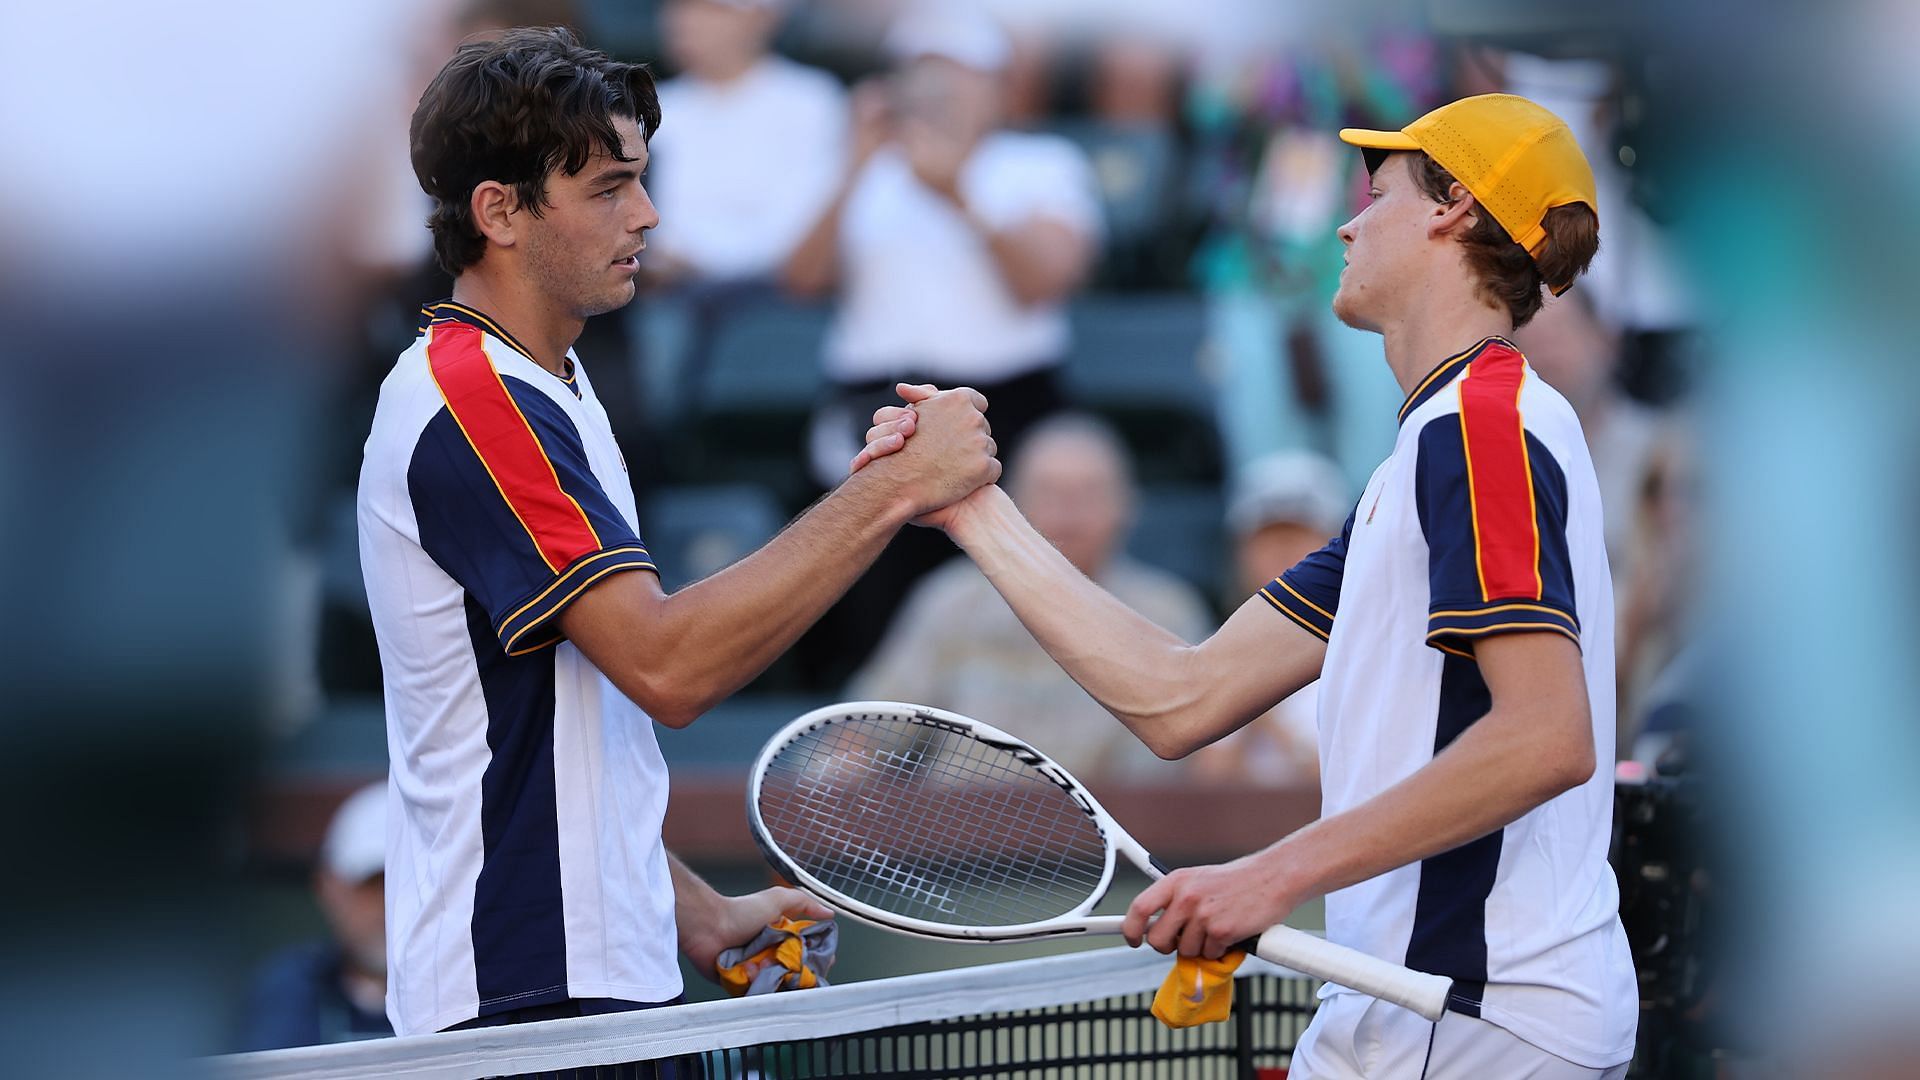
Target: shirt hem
{"type": "Point", "coordinates": [1585, 1056]}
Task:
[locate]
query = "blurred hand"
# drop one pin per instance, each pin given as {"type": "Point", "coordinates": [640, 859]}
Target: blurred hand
{"type": "Point", "coordinates": [872, 119]}
{"type": "Point", "coordinates": [738, 918]}
{"type": "Point", "coordinates": [1206, 910]}
{"type": "Point", "coordinates": [936, 155]}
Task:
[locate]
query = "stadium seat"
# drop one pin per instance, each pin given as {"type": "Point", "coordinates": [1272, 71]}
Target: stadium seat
{"type": "Point", "coordinates": [1181, 529]}
{"type": "Point", "coordinates": [694, 531]}
{"type": "Point", "coordinates": [1136, 359]}
{"type": "Point", "coordinates": [754, 377]}
{"type": "Point", "coordinates": [1135, 166]}
{"type": "Point", "coordinates": [764, 355]}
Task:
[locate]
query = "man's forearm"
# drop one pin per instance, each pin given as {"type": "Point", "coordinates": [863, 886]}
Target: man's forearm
{"type": "Point", "coordinates": [715, 635]}
{"type": "Point", "coordinates": [1503, 766]}
{"type": "Point", "coordinates": [1172, 695]}
{"type": "Point", "coordinates": [694, 901]}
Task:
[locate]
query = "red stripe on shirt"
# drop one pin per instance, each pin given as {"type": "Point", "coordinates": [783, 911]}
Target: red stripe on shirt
{"type": "Point", "coordinates": [1506, 534]}
{"type": "Point", "coordinates": [499, 433]}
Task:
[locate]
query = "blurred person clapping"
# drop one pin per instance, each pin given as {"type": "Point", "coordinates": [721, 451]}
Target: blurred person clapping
{"type": "Point", "coordinates": [953, 244]}
{"type": "Point", "coordinates": [951, 241]}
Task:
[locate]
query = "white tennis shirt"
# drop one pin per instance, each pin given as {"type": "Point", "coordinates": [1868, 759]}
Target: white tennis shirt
{"type": "Point", "coordinates": [524, 859]}
{"type": "Point", "coordinates": [1484, 520]}
{"type": "Point", "coordinates": [920, 289]}
{"type": "Point", "coordinates": [743, 169]}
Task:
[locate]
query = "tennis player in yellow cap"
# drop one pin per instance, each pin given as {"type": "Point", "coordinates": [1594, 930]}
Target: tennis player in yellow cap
{"type": "Point", "coordinates": [1461, 627]}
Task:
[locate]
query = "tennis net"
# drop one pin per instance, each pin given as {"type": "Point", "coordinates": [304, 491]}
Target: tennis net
{"type": "Point", "coordinates": [1082, 1015]}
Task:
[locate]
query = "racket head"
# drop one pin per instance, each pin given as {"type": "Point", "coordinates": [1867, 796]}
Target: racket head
{"type": "Point", "coordinates": [930, 823]}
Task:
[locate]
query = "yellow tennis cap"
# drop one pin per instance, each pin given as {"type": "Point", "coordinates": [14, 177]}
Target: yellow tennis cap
{"type": "Point", "coordinates": [1518, 159]}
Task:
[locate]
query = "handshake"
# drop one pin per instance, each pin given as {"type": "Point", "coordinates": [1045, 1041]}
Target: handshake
{"type": "Point", "coordinates": [936, 451]}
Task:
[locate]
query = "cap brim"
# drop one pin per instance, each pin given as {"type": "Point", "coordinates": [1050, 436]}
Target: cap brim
{"type": "Point", "coordinates": [1377, 140]}
{"type": "Point", "coordinates": [1376, 145]}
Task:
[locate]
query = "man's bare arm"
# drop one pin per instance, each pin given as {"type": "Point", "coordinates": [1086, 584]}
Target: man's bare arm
{"type": "Point", "coordinates": [1535, 742]}
{"type": "Point", "coordinates": [678, 655]}
{"type": "Point", "coordinates": [1173, 696]}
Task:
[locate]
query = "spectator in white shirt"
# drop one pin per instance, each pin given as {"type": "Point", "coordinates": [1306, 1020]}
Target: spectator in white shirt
{"type": "Point", "coordinates": [954, 245]}
{"type": "Point", "coordinates": [753, 151]}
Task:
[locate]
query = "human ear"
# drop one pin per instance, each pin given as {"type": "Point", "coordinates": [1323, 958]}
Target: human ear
{"type": "Point", "coordinates": [492, 206]}
{"type": "Point", "coordinates": [1461, 212]}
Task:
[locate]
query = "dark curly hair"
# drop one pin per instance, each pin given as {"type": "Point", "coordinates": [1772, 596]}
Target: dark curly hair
{"type": "Point", "coordinates": [513, 108]}
{"type": "Point", "coordinates": [1506, 273]}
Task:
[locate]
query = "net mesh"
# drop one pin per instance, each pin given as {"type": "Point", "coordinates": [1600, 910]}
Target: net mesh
{"type": "Point", "coordinates": [917, 818]}
{"type": "Point", "coordinates": [1083, 1015]}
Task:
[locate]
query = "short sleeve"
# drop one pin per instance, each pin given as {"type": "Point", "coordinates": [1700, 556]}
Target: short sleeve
{"type": "Point", "coordinates": [506, 501]}
{"type": "Point", "coordinates": [1492, 503]}
{"type": "Point", "coordinates": [1037, 176]}
{"type": "Point", "coordinates": [1309, 592]}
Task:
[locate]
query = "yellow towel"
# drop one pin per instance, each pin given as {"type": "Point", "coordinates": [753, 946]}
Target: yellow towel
{"type": "Point", "coordinates": [1197, 990]}
{"type": "Point", "coordinates": [790, 954]}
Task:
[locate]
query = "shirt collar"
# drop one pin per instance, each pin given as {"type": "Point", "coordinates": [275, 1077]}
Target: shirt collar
{"type": "Point", "coordinates": [449, 311]}
{"type": "Point", "coordinates": [1446, 371]}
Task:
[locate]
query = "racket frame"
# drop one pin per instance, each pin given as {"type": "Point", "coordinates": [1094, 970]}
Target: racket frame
{"type": "Point", "coordinates": [1427, 994]}
{"type": "Point", "coordinates": [1075, 921]}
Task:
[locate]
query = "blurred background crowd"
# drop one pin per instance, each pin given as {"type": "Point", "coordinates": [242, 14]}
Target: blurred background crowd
{"type": "Point", "coordinates": [1117, 219]}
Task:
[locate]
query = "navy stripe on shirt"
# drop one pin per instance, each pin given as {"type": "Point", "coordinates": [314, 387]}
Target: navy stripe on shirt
{"type": "Point", "coordinates": [519, 931]}
{"type": "Point", "coordinates": [1450, 911]}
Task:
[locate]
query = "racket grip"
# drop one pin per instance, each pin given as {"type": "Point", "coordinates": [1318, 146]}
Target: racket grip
{"type": "Point", "coordinates": [1312, 955]}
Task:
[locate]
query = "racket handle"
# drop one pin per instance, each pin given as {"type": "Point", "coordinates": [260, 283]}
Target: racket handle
{"type": "Point", "coordinates": [1312, 955]}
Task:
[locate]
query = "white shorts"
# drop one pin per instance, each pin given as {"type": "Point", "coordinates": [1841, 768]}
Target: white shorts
{"type": "Point", "coordinates": [1355, 1037]}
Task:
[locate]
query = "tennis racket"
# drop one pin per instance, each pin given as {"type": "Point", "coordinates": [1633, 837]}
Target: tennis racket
{"type": "Point", "coordinates": [928, 823]}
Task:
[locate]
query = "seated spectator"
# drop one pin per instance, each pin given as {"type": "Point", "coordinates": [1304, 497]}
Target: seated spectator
{"type": "Point", "coordinates": [1283, 508]}
{"type": "Point", "coordinates": [956, 645]}
{"type": "Point", "coordinates": [751, 152]}
{"type": "Point", "coordinates": [334, 990]}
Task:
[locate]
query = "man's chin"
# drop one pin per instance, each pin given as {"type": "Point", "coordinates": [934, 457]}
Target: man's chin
{"type": "Point", "coordinates": [613, 301]}
{"type": "Point", "coordinates": [1348, 312]}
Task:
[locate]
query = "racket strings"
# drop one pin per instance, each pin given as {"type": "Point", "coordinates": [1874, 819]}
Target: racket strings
{"type": "Point", "coordinates": [924, 822]}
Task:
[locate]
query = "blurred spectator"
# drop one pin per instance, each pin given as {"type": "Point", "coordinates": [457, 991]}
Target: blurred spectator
{"type": "Point", "coordinates": [1576, 352]}
{"type": "Point", "coordinates": [1275, 184]}
{"type": "Point", "coordinates": [1659, 593]}
{"type": "Point", "coordinates": [954, 244]}
{"type": "Point", "coordinates": [1635, 282]}
{"type": "Point", "coordinates": [1283, 508]}
{"type": "Point", "coordinates": [957, 645]}
{"type": "Point", "coordinates": [334, 990]}
{"type": "Point", "coordinates": [749, 149]}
